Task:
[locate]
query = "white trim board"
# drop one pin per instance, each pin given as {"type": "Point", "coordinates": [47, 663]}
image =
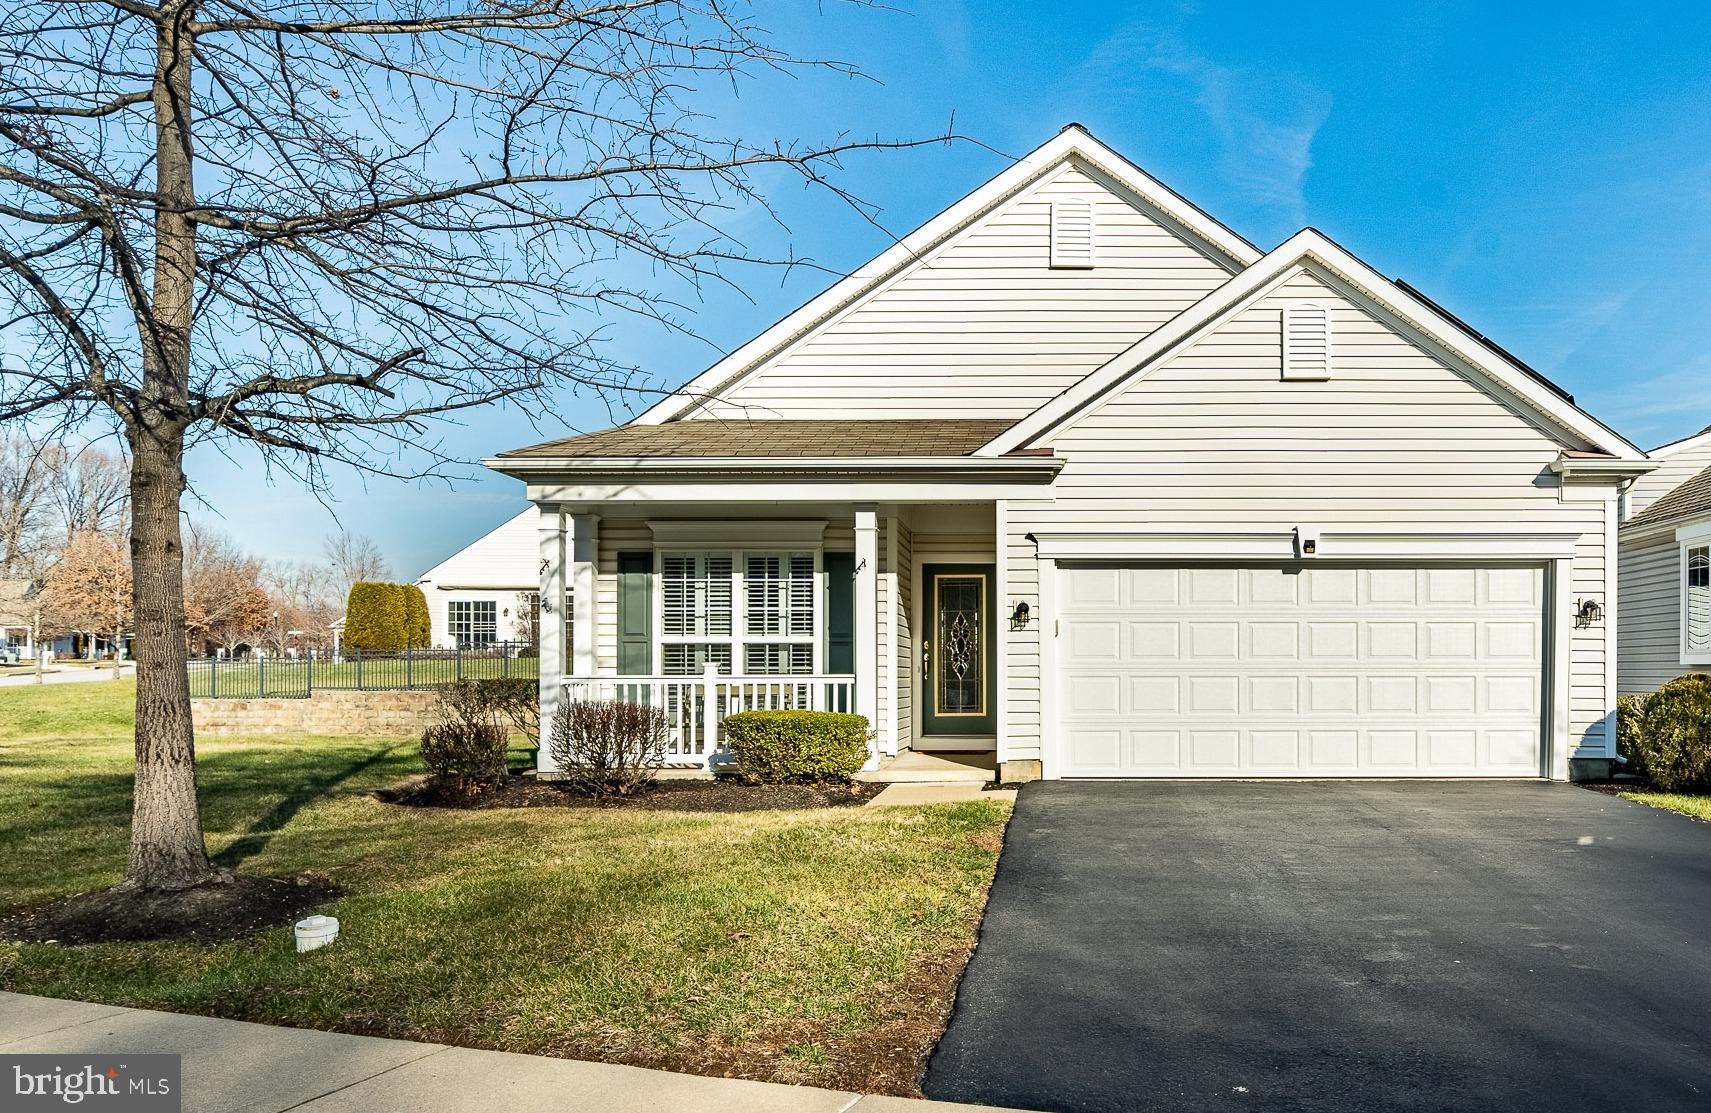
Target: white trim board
{"type": "Point", "coordinates": [1073, 141]}
{"type": "Point", "coordinates": [1309, 246]}
{"type": "Point", "coordinates": [1334, 546]}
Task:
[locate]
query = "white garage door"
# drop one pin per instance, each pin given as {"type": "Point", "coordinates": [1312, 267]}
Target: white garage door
{"type": "Point", "coordinates": [1315, 671]}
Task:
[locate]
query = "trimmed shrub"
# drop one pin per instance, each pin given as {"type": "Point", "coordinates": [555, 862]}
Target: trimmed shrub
{"type": "Point", "coordinates": [1630, 721]}
{"type": "Point", "coordinates": [796, 747]}
{"type": "Point", "coordinates": [608, 748]}
{"type": "Point", "coordinates": [1674, 748]}
{"type": "Point", "coordinates": [512, 701]}
{"type": "Point", "coordinates": [418, 627]}
{"type": "Point", "coordinates": [374, 618]}
{"type": "Point", "coordinates": [467, 755]}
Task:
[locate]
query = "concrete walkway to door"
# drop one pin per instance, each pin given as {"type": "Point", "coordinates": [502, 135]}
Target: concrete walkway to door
{"type": "Point", "coordinates": [1447, 945]}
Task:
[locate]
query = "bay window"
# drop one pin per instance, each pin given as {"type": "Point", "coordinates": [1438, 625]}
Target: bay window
{"type": "Point", "coordinates": [1696, 604]}
{"type": "Point", "coordinates": [757, 612]}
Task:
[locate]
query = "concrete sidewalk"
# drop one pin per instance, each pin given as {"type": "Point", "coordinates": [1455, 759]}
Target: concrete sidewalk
{"type": "Point", "coordinates": [234, 1067]}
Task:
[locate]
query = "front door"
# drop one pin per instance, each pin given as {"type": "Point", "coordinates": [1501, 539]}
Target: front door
{"type": "Point", "coordinates": [957, 647]}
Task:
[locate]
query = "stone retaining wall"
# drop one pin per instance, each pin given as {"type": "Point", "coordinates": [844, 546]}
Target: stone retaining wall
{"type": "Point", "coordinates": [330, 712]}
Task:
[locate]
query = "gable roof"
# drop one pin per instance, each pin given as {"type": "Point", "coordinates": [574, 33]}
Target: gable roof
{"type": "Point", "coordinates": [1073, 142]}
{"type": "Point", "coordinates": [1688, 499]}
{"type": "Point", "coordinates": [505, 557]}
{"type": "Point", "coordinates": [1449, 335]}
{"type": "Point", "coordinates": [784, 439]}
{"type": "Point", "coordinates": [1684, 444]}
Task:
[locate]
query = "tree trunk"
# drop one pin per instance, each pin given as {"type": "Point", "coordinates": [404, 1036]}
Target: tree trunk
{"type": "Point", "coordinates": [167, 850]}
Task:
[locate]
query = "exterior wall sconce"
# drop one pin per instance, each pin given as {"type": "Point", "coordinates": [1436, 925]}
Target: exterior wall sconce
{"type": "Point", "coordinates": [1019, 617]}
{"type": "Point", "coordinates": [1589, 613]}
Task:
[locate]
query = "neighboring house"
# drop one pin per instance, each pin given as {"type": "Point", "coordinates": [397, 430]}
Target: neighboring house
{"type": "Point", "coordinates": [17, 618]}
{"type": "Point", "coordinates": [1076, 476]}
{"type": "Point", "coordinates": [486, 591]}
{"type": "Point", "coordinates": [1665, 561]}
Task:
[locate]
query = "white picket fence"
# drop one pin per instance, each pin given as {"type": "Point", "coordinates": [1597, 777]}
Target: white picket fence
{"type": "Point", "coordinates": [695, 706]}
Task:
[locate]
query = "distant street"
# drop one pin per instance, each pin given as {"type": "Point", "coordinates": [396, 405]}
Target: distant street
{"type": "Point", "coordinates": [58, 674]}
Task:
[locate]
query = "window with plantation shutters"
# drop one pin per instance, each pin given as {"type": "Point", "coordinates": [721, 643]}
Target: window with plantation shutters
{"type": "Point", "coordinates": [1306, 341]}
{"type": "Point", "coordinates": [749, 612]}
{"type": "Point", "coordinates": [1072, 232]}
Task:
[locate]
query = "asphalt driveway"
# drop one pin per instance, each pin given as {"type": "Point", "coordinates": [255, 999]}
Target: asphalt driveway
{"type": "Point", "coordinates": [1338, 946]}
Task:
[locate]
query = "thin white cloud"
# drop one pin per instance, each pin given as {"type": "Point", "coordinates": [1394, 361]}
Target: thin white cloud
{"type": "Point", "coordinates": [1265, 122]}
{"type": "Point", "coordinates": [1661, 408]}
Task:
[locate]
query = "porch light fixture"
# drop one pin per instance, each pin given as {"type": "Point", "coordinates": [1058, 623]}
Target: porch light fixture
{"type": "Point", "coordinates": [1588, 614]}
{"type": "Point", "coordinates": [1019, 617]}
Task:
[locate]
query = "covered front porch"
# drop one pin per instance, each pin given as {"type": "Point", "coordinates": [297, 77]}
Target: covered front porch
{"type": "Point", "coordinates": [708, 567]}
{"type": "Point", "coordinates": [889, 611]}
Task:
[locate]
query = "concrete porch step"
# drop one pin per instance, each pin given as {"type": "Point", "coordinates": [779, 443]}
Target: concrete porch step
{"type": "Point", "coordinates": [914, 767]}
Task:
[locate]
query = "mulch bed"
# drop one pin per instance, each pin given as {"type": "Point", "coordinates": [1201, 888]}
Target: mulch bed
{"type": "Point", "coordinates": [669, 795]}
{"type": "Point", "coordinates": [233, 906]}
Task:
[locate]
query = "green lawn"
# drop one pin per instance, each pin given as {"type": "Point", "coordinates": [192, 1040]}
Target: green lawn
{"type": "Point", "coordinates": [1697, 805]}
{"type": "Point", "coordinates": [794, 946]}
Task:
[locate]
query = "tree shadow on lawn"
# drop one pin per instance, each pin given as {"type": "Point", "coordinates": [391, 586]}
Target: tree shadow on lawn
{"type": "Point", "coordinates": [304, 791]}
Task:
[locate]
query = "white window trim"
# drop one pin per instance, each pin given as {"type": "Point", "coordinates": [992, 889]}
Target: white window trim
{"type": "Point", "coordinates": [472, 604]}
{"type": "Point", "coordinates": [1696, 536]}
{"type": "Point", "coordinates": [739, 635]}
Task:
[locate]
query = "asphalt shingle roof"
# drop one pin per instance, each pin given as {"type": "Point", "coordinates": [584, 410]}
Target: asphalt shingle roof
{"type": "Point", "coordinates": [777, 439]}
{"type": "Point", "coordinates": [1689, 497]}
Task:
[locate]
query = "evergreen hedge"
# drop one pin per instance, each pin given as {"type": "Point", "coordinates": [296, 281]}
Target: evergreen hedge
{"type": "Point", "coordinates": [419, 628]}
{"type": "Point", "coordinates": [374, 618]}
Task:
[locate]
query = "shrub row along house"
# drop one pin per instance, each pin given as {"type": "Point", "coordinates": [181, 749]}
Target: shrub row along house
{"type": "Point", "coordinates": [1076, 476]}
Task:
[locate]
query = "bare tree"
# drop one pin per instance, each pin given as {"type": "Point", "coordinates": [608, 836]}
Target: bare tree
{"type": "Point", "coordinates": [89, 489]}
{"type": "Point", "coordinates": [225, 601]}
{"type": "Point", "coordinates": [354, 558]}
{"type": "Point", "coordinates": [306, 596]}
{"type": "Point", "coordinates": [309, 230]}
{"type": "Point", "coordinates": [24, 514]}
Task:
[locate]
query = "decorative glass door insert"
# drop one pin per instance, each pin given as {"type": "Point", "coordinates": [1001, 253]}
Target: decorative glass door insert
{"type": "Point", "coordinates": [956, 651]}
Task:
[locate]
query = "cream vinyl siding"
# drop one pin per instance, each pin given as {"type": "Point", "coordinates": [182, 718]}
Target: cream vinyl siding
{"type": "Point", "coordinates": [1650, 605]}
{"type": "Point", "coordinates": [984, 326]}
{"type": "Point", "coordinates": [1215, 441]}
{"type": "Point", "coordinates": [1673, 469]}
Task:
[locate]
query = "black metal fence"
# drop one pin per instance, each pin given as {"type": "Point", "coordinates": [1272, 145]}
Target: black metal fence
{"type": "Point", "coordinates": [409, 669]}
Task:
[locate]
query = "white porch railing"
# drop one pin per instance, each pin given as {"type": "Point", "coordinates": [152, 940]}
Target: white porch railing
{"type": "Point", "coordinates": [695, 706]}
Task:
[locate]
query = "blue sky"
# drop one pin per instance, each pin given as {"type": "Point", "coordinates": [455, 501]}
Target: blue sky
{"type": "Point", "coordinates": [1544, 171]}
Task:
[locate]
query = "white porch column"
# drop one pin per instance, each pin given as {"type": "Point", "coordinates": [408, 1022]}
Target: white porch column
{"type": "Point", "coordinates": [584, 557]}
{"type": "Point", "coordinates": [551, 626]}
{"type": "Point", "coordinates": [887, 658]}
{"type": "Point", "coordinates": [867, 619]}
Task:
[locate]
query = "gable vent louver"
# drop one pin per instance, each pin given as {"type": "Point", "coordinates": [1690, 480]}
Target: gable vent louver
{"type": "Point", "coordinates": [1072, 232]}
{"type": "Point", "coordinates": [1306, 342]}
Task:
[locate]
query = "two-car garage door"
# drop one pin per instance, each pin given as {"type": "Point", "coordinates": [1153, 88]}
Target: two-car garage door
{"type": "Point", "coordinates": [1315, 670]}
